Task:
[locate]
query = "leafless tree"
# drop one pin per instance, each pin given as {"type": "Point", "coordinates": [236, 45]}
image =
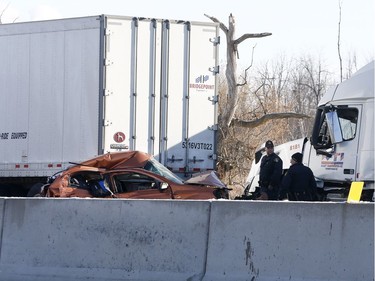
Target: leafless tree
{"type": "Point", "coordinates": [287, 85]}
{"type": "Point", "coordinates": [351, 65]}
{"type": "Point", "coordinates": [228, 113]}
{"type": "Point", "coordinates": [2, 14]}
{"type": "Point", "coordinates": [309, 81]}
{"type": "Point", "coordinates": [339, 41]}
{"type": "Point", "coordinates": [233, 124]}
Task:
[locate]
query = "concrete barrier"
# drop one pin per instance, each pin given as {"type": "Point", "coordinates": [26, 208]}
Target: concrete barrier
{"type": "Point", "coordinates": [266, 241]}
{"type": "Point", "coordinates": [80, 239]}
{"type": "Point", "coordinates": [97, 239]}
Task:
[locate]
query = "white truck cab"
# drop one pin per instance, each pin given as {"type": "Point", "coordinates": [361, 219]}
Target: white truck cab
{"type": "Point", "coordinates": [341, 147]}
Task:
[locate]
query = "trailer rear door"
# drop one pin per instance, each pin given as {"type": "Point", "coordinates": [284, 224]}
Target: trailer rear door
{"type": "Point", "coordinates": [160, 85]}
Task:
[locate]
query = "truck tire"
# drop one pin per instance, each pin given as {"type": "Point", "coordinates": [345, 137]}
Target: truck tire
{"type": "Point", "coordinates": [35, 190]}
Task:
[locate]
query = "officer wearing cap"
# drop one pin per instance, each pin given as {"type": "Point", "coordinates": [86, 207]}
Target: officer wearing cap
{"type": "Point", "coordinates": [271, 167]}
{"type": "Point", "coordinates": [299, 182]}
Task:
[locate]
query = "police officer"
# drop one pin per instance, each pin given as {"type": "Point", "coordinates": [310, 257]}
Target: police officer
{"type": "Point", "coordinates": [271, 167]}
{"type": "Point", "coordinates": [299, 182]}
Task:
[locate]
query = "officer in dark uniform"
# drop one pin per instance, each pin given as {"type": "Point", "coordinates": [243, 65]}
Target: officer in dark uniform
{"type": "Point", "coordinates": [271, 167]}
{"type": "Point", "coordinates": [299, 182]}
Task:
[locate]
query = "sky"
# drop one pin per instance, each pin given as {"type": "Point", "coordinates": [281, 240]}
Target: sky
{"type": "Point", "coordinates": [298, 27]}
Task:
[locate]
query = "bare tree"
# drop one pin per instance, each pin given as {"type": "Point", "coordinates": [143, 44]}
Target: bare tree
{"type": "Point", "coordinates": [352, 65]}
{"type": "Point", "coordinates": [236, 119]}
{"type": "Point", "coordinates": [231, 66]}
{"type": "Point", "coordinates": [339, 41]}
{"type": "Point", "coordinates": [228, 112]}
{"type": "Point", "coordinates": [309, 81]}
{"type": "Point", "coordinates": [2, 14]}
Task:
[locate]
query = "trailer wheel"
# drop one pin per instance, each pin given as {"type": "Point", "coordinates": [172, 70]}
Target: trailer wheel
{"type": "Point", "coordinates": [35, 190]}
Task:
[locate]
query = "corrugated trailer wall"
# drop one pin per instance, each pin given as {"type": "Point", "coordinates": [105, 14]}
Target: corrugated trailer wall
{"type": "Point", "coordinates": [76, 88]}
{"type": "Point", "coordinates": [164, 73]}
{"type": "Point", "coordinates": [49, 83]}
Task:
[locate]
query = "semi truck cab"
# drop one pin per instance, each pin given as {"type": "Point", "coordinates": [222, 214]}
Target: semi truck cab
{"type": "Point", "coordinates": [340, 149]}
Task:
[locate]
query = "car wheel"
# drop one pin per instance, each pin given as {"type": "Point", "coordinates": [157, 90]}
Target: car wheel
{"type": "Point", "coordinates": [35, 190]}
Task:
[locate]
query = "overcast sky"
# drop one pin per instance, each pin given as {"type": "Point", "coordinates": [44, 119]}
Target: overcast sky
{"type": "Point", "coordinates": [299, 27]}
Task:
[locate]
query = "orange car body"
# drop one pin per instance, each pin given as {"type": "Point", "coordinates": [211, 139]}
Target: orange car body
{"type": "Point", "coordinates": [130, 174]}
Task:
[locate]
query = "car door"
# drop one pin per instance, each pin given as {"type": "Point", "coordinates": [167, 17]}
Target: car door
{"type": "Point", "coordinates": [139, 185]}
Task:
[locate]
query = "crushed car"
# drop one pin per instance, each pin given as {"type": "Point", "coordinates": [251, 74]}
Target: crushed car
{"type": "Point", "coordinates": [131, 174]}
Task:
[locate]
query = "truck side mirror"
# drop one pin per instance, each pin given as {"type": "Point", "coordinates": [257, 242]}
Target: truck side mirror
{"type": "Point", "coordinates": [334, 127]}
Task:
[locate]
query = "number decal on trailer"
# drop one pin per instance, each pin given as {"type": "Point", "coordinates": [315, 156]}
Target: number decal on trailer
{"type": "Point", "coordinates": [197, 145]}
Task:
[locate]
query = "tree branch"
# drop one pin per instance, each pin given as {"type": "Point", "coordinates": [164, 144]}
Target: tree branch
{"type": "Point", "coordinates": [251, 35]}
{"type": "Point", "coordinates": [338, 41]}
{"type": "Point", "coordinates": [2, 13]}
{"type": "Point", "coordinates": [265, 118]}
{"type": "Point", "coordinates": [222, 26]}
{"type": "Point", "coordinates": [251, 64]}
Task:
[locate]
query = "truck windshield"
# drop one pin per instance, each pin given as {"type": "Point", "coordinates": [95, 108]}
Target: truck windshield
{"type": "Point", "coordinates": [157, 168]}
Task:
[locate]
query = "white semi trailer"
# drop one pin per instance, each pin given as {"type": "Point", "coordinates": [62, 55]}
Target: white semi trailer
{"type": "Point", "coordinates": [75, 88]}
{"type": "Point", "coordinates": [341, 147]}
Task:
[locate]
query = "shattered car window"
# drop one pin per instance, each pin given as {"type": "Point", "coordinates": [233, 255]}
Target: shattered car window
{"type": "Point", "coordinates": [157, 168]}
